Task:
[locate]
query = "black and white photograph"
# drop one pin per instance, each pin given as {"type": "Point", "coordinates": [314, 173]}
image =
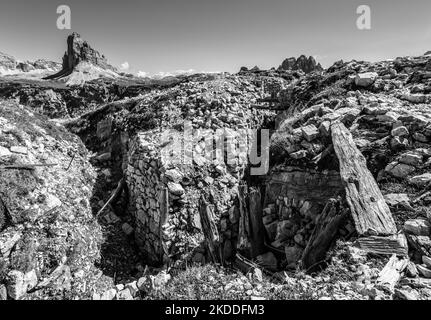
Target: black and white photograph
{"type": "Point", "coordinates": [212, 159]}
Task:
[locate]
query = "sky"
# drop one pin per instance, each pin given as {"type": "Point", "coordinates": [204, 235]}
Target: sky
{"type": "Point", "coordinates": [152, 36]}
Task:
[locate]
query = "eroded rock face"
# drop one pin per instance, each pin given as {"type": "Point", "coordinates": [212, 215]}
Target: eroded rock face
{"type": "Point", "coordinates": [79, 50]}
{"type": "Point", "coordinates": [303, 63]}
{"type": "Point", "coordinates": [49, 220]}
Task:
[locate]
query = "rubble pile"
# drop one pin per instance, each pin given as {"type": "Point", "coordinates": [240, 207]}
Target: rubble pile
{"type": "Point", "coordinates": [49, 239]}
{"type": "Point", "coordinates": [385, 107]}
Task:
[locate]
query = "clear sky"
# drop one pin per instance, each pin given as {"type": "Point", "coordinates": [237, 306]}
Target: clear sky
{"type": "Point", "coordinates": [217, 35]}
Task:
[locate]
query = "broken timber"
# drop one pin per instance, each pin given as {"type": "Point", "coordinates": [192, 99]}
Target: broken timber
{"type": "Point", "coordinates": [209, 229]}
{"type": "Point", "coordinates": [251, 229]}
{"type": "Point", "coordinates": [323, 235]}
{"type": "Point", "coordinates": [391, 273]}
{"type": "Point", "coordinates": [372, 217]}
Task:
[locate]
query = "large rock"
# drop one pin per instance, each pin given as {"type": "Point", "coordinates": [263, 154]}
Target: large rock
{"type": "Point", "coordinates": [365, 79]}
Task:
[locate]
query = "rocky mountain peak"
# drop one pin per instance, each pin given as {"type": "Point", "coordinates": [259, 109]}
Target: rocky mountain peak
{"type": "Point", "coordinates": [303, 63]}
{"type": "Point", "coordinates": [78, 50]}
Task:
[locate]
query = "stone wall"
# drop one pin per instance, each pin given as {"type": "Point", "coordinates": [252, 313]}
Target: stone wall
{"type": "Point", "coordinates": [165, 196]}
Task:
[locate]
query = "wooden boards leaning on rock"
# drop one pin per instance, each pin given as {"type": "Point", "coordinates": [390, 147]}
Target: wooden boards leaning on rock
{"type": "Point", "coordinates": [372, 217]}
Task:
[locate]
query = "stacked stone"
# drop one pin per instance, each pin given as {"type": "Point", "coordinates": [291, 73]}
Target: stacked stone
{"type": "Point", "coordinates": [146, 191]}
{"type": "Point", "coordinates": [294, 199]}
{"type": "Point", "coordinates": [165, 194]}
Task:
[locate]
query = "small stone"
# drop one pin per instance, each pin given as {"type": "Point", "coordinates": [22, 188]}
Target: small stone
{"type": "Point", "coordinates": [4, 152]}
{"type": "Point", "coordinates": [399, 170]}
{"type": "Point", "coordinates": [389, 117]}
{"type": "Point", "coordinates": [298, 239]}
{"type": "Point", "coordinates": [127, 229]}
{"type": "Point", "coordinates": [310, 132]}
{"type": "Point", "coordinates": [411, 270]}
{"type": "Point", "coordinates": [174, 175]}
{"type": "Point", "coordinates": [133, 288]}
{"type": "Point", "coordinates": [399, 143]}
{"type": "Point", "coordinates": [424, 271]}
{"type": "Point", "coordinates": [325, 128]}
{"type": "Point", "coordinates": [400, 132]}
{"type": "Point", "coordinates": [301, 154]}
{"type": "Point", "coordinates": [109, 295]}
{"type": "Point", "coordinates": [421, 180]}
{"type": "Point", "coordinates": [398, 200]}
{"type": "Point", "coordinates": [96, 296]}
{"type": "Point", "coordinates": [427, 261]}
{"type": "Point", "coordinates": [406, 293]}
{"type": "Point", "coordinates": [293, 254]}
{"type": "Point", "coordinates": [103, 157]}
{"type": "Point", "coordinates": [419, 227]}
{"type": "Point", "coordinates": [52, 201]}
{"type": "Point", "coordinates": [208, 180]}
{"type": "Point", "coordinates": [420, 137]}
{"type": "Point", "coordinates": [124, 295]}
{"type": "Point", "coordinates": [7, 242]}
{"type": "Point", "coordinates": [3, 292]}
{"type": "Point", "coordinates": [175, 188]}
{"type": "Point", "coordinates": [19, 149]}
{"type": "Point", "coordinates": [411, 159]}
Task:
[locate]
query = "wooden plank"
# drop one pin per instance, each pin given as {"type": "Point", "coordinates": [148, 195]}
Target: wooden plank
{"type": "Point", "coordinates": [391, 273]}
{"type": "Point", "coordinates": [243, 244]}
{"type": "Point", "coordinates": [257, 229]}
{"type": "Point", "coordinates": [209, 229]}
{"type": "Point", "coordinates": [323, 235]}
{"type": "Point", "coordinates": [395, 244]}
{"type": "Point", "coordinates": [370, 212]}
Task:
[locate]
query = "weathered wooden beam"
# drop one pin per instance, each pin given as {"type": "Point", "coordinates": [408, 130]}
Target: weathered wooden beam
{"type": "Point", "coordinates": [388, 245]}
{"type": "Point", "coordinates": [209, 229]}
{"type": "Point", "coordinates": [115, 194]}
{"type": "Point", "coordinates": [391, 273]}
{"type": "Point", "coordinates": [370, 212]}
{"type": "Point", "coordinates": [244, 243]}
{"type": "Point", "coordinates": [251, 231]}
{"type": "Point", "coordinates": [323, 235]}
{"type": "Point", "coordinates": [257, 229]}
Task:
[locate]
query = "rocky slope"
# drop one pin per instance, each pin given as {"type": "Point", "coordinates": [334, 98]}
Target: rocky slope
{"type": "Point", "coordinates": [120, 212]}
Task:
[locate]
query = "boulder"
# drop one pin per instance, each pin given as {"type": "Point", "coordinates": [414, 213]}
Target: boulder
{"type": "Point", "coordinates": [365, 79]}
{"type": "Point", "coordinates": [399, 170]}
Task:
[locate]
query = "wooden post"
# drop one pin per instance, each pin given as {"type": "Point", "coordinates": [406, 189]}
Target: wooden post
{"type": "Point", "coordinates": [369, 210]}
{"type": "Point", "coordinates": [327, 226]}
{"type": "Point", "coordinates": [210, 230]}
